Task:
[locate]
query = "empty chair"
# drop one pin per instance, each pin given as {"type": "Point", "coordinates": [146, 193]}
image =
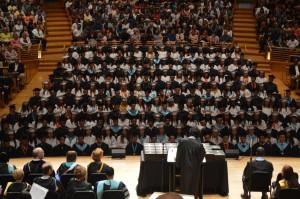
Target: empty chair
{"type": "Point", "coordinates": [18, 195]}
{"type": "Point", "coordinates": [289, 193]}
{"type": "Point", "coordinates": [84, 195]}
{"type": "Point", "coordinates": [65, 178]}
{"type": "Point", "coordinates": [113, 194]}
{"type": "Point", "coordinates": [93, 178]}
{"type": "Point", "coordinates": [260, 182]}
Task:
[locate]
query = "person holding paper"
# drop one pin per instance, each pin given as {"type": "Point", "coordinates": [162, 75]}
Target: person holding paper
{"type": "Point", "coordinates": [47, 180]}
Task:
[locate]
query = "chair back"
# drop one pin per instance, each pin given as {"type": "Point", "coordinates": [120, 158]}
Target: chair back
{"type": "Point", "coordinates": [84, 195]}
{"type": "Point", "coordinates": [260, 182]}
{"type": "Point", "coordinates": [4, 179]}
{"type": "Point", "coordinates": [32, 176]}
{"type": "Point", "coordinates": [18, 195]}
{"type": "Point", "coordinates": [289, 194]}
{"type": "Point", "coordinates": [113, 194]}
{"type": "Point", "coordinates": [93, 178]}
{"type": "Point", "coordinates": [65, 178]}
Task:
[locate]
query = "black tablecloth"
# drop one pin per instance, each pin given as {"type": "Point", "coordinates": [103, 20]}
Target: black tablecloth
{"type": "Point", "coordinates": [215, 177]}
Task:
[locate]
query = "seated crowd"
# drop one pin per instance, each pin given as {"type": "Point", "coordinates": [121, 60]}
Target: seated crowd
{"type": "Point", "coordinates": [278, 23]}
{"type": "Point", "coordinates": [40, 172]}
{"type": "Point", "coordinates": [22, 23]}
{"type": "Point", "coordinates": [140, 21]}
{"type": "Point", "coordinates": [125, 96]}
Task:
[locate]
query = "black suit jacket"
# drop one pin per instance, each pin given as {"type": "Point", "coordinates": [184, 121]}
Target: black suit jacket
{"type": "Point", "coordinates": [20, 68]}
{"type": "Point", "coordinates": [257, 166]}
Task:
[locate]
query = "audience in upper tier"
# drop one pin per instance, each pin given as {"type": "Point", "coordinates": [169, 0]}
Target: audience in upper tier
{"type": "Point", "coordinates": [172, 21]}
{"type": "Point", "coordinates": [278, 23]}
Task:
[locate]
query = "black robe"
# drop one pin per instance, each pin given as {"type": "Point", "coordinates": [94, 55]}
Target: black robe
{"type": "Point", "coordinates": [190, 154]}
{"type": "Point", "coordinates": [103, 146]}
{"type": "Point", "coordinates": [134, 149]}
{"type": "Point", "coordinates": [61, 150]}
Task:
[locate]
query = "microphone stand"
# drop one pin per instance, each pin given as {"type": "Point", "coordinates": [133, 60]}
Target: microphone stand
{"type": "Point", "coordinates": [250, 165]}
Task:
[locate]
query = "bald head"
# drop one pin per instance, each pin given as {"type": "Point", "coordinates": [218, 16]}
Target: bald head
{"type": "Point", "coordinates": [38, 153]}
{"type": "Point", "coordinates": [170, 196]}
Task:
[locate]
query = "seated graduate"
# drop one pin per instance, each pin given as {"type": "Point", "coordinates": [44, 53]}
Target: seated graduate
{"type": "Point", "coordinates": [5, 167]}
{"type": "Point", "coordinates": [24, 150]}
{"type": "Point", "coordinates": [5, 147]}
{"type": "Point", "coordinates": [61, 149]}
{"type": "Point", "coordinates": [225, 144]}
{"type": "Point", "coordinates": [242, 145]}
{"type": "Point", "coordinates": [134, 148]}
{"type": "Point", "coordinates": [111, 184]}
{"type": "Point", "coordinates": [287, 179]}
{"type": "Point", "coordinates": [100, 144]}
{"type": "Point", "coordinates": [68, 166]}
{"type": "Point", "coordinates": [45, 146]}
{"type": "Point", "coordinates": [97, 166]}
{"type": "Point", "coordinates": [78, 183]}
{"type": "Point", "coordinates": [47, 180]}
{"type": "Point", "coordinates": [35, 165]}
{"type": "Point", "coordinates": [257, 165]}
{"type": "Point", "coordinates": [18, 185]}
{"type": "Point", "coordinates": [81, 147]}
{"type": "Point", "coordinates": [262, 142]}
{"type": "Point", "coordinates": [282, 147]}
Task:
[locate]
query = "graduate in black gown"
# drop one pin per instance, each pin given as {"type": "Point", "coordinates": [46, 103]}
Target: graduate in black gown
{"type": "Point", "coordinates": [35, 165]}
{"type": "Point", "coordinates": [100, 144]}
{"type": "Point", "coordinates": [5, 166]}
{"type": "Point", "coordinates": [80, 147]}
{"type": "Point", "coordinates": [97, 166]}
{"type": "Point", "coordinates": [190, 154]}
{"type": "Point", "coordinates": [61, 149]}
{"type": "Point", "coordinates": [282, 147]}
{"type": "Point", "coordinates": [68, 166]}
{"type": "Point", "coordinates": [242, 145]}
{"type": "Point", "coordinates": [45, 146]}
{"type": "Point", "coordinates": [134, 148]}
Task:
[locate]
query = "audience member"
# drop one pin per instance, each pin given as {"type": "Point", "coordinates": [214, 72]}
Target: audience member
{"type": "Point", "coordinates": [111, 184]}
{"type": "Point", "coordinates": [68, 166]}
{"type": "Point", "coordinates": [78, 183]}
{"type": "Point", "coordinates": [170, 195]}
{"type": "Point", "coordinates": [285, 180]}
{"type": "Point", "coordinates": [47, 180]}
{"type": "Point", "coordinates": [5, 166]}
{"type": "Point", "coordinates": [97, 166]}
{"type": "Point", "coordinates": [257, 165]}
{"type": "Point", "coordinates": [18, 186]}
{"type": "Point", "coordinates": [36, 164]}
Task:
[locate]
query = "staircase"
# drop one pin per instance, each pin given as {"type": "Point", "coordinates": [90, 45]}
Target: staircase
{"type": "Point", "coordinates": [245, 36]}
{"type": "Point", "coordinates": [58, 36]}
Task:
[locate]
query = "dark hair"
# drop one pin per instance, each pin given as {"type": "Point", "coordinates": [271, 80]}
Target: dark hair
{"type": "Point", "coordinates": [110, 171]}
{"type": "Point", "coordinates": [46, 168]}
{"type": "Point", "coordinates": [260, 151]}
{"type": "Point", "coordinates": [71, 156]}
{"type": "Point", "coordinates": [170, 196]}
{"type": "Point", "coordinates": [287, 172]}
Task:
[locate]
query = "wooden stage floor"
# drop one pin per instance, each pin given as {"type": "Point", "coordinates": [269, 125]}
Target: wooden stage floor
{"type": "Point", "coordinates": [127, 170]}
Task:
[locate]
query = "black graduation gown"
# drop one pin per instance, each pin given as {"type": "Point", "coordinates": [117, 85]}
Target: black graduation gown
{"type": "Point", "coordinates": [65, 169]}
{"type": "Point", "coordinates": [47, 148]}
{"type": "Point", "coordinates": [24, 153]}
{"type": "Point", "coordinates": [61, 150]}
{"type": "Point", "coordinates": [266, 146]}
{"type": "Point", "coordinates": [281, 152]}
{"type": "Point", "coordinates": [134, 149]}
{"type": "Point", "coordinates": [81, 149]}
{"type": "Point", "coordinates": [103, 146]}
{"type": "Point", "coordinates": [190, 154]}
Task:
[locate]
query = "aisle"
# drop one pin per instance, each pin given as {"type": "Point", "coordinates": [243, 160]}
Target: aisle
{"type": "Point", "coordinates": [127, 170]}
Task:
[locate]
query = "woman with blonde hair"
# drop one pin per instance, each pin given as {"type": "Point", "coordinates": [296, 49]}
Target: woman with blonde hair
{"type": "Point", "coordinates": [18, 185]}
{"type": "Point", "coordinates": [97, 166]}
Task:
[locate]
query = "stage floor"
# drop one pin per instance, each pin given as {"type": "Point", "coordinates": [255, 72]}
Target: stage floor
{"type": "Point", "coordinates": [127, 170]}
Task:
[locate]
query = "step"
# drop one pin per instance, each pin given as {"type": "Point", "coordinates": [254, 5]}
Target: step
{"type": "Point", "coordinates": [249, 51]}
{"type": "Point", "coordinates": [58, 23]}
{"type": "Point", "coordinates": [245, 35]}
{"type": "Point", "coordinates": [46, 68]}
{"type": "Point", "coordinates": [243, 41]}
{"type": "Point", "coordinates": [63, 38]}
{"type": "Point", "coordinates": [248, 11]}
{"type": "Point", "coordinates": [60, 33]}
{"type": "Point", "coordinates": [244, 29]}
{"type": "Point", "coordinates": [244, 25]}
{"type": "Point", "coordinates": [55, 50]}
{"type": "Point", "coordinates": [57, 19]}
{"type": "Point", "coordinates": [57, 14]}
{"type": "Point", "coordinates": [58, 44]}
{"type": "Point", "coordinates": [258, 58]}
{"type": "Point", "coordinates": [58, 28]}
{"type": "Point", "coordinates": [244, 20]}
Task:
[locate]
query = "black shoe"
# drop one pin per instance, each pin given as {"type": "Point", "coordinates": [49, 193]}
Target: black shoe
{"type": "Point", "coordinates": [245, 196]}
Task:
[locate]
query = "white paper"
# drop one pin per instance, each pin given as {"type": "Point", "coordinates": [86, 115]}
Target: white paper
{"type": "Point", "coordinates": [172, 152]}
{"type": "Point", "coordinates": [38, 192]}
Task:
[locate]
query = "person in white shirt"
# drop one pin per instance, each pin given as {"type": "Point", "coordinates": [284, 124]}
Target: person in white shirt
{"type": "Point", "coordinates": [292, 42]}
{"type": "Point", "coordinates": [39, 36]}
